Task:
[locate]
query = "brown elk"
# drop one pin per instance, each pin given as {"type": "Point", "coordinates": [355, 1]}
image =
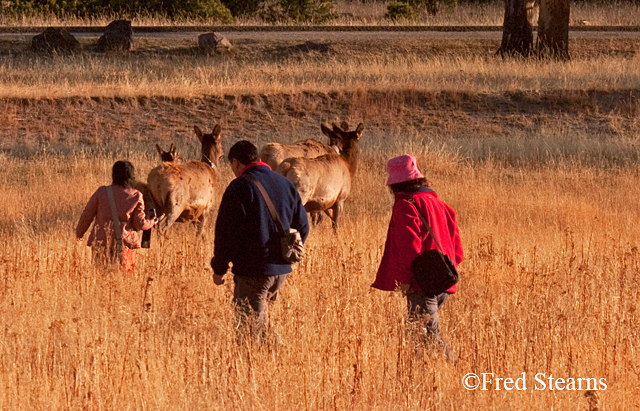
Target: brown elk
{"type": "Point", "coordinates": [324, 182]}
{"type": "Point", "coordinates": [186, 192]}
{"type": "Point", "coordinates": [274, 153]}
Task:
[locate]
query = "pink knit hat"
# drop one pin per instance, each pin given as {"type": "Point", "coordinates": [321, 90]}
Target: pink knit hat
{"type": "Point", "coordinates": [403, 168]}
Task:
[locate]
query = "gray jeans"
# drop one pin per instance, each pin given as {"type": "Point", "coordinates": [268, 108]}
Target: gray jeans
{"type": "Point", "coordinates": [250, 297]}
{"type": "Point", "coordinates": [421, 305]}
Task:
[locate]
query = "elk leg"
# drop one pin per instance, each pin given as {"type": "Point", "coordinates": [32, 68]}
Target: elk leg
{"type": "Point", "coordinates": [200, 222]}
{"type": "Point", "coordinates": [172, 214]}
{"type": "Point", "coordinates": [316, 218]}
{"type": "Point", "coordinates": [337, 209]}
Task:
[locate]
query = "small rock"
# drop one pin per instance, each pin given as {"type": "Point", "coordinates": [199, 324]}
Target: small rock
{"type": "Point", "coordinates": [118, 36]}
{"type": "Point", "coordinates": [55, 40]}
{"type": "Point", "coordinates": [213, 41]}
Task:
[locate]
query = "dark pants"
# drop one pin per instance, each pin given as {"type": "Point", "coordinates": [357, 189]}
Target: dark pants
{"type": "Point", "coordinates": [250, 297]}
{"type": "Point", "coordinates": [421, 305]}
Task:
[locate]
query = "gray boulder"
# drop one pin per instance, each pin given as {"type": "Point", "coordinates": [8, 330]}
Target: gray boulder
{"type": "Point", "coordinates": [55, 40]}
{"type": "Point", "coordinates": [213, 41]}
{"type": "Point", "coordinates": [118, 36]}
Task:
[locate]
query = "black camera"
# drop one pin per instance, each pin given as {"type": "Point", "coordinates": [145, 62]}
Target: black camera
{"type": "Point", "coordinates": [146, 234]}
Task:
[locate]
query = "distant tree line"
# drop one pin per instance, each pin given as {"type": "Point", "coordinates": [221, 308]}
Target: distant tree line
{"type": "Point", "coordinates": [411, 9]}
{"type": "Point", "coordinates": [88, 8]}
{"type": "Point", "coordinates": [225, 11]}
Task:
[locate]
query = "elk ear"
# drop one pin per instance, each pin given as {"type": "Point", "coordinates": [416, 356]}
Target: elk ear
{"type": "Point", "coordinates": [359, 130]}
{"type": "Point", "coordinates": [216, 132]}
{"type": "Point", "coordinates": [198, 132]}
{"type": "Point", "coordinates": [327, 131]}
{"type": "Point", "coordinates": [160, 150]}
{"type": "Point", "coordinates": [344, 126]}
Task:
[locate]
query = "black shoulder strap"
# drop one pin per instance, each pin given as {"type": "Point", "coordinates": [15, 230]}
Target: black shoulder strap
{"type": "Point", "coordinates": [270, 206]}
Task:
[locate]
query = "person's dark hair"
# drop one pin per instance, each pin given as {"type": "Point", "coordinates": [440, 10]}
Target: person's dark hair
{"type": "Point", "coordinates": [409, 185]}
{"type": "Point", "coordinates": [123, 174]}
{"type": "Point", "coordinates": [244, 151]}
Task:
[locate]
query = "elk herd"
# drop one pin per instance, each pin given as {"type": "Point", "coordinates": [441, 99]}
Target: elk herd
{"type": "Point", "coordinates": [322, 173]}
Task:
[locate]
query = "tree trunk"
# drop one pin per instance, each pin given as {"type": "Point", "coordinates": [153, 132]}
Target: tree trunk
{"type": "Point", "coordinates": [553, 29]}
{"type": "Point", "coordinates": [517, 34]}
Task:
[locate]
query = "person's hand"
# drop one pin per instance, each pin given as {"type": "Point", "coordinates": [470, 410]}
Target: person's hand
{"type": "Point", "coordinates": [155, 220]}
{"type": "Point", "coordinates": [217, 279]}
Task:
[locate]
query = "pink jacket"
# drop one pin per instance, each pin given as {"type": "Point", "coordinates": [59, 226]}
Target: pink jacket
{"type": "Point", "coordinates": [408, 237]}
{"type": "Point", "coordinates": [130, 208]}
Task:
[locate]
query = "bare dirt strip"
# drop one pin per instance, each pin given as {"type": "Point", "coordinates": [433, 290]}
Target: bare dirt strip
{"type": "Point", "coordinates": [75, 122]}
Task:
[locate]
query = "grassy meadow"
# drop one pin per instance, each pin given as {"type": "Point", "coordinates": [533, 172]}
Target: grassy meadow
{"type": "Point", "coordinates": [539, 159]}
{"type": "Point", "coordinates": [549, 224]}
{"type": "Point", "coordinates": [277, 64]}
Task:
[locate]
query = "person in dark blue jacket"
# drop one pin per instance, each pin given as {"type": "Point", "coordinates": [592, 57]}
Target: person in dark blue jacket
{"type": "Point", "coordinates": [247, 236]}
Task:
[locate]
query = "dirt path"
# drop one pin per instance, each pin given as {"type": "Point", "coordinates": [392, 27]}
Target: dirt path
{"type": "Point", "coordinates": [452, 33]}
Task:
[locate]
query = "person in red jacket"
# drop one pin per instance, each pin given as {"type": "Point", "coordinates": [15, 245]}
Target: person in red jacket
{"type": "Point", "coordinates": [408, 237]}
{"type": "Point", "coordinates": [131, 216]}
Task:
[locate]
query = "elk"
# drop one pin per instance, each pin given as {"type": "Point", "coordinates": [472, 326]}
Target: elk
{"type": "Point", "coordinates": [165, 156]}
{"type": "Point", "coordinates": [274, 153]}
{"type": "Point", "coordinates": [168, 156]}
{"type": "Point", "coordinates": [324, 182]}
{"type": "Point", "coordinates": [186, 192]}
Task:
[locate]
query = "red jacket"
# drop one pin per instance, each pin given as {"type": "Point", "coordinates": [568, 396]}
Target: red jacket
{"type": "Point", "coordinates": [408, 237]}
{"type": "Point", "coordinates": [130, 208]}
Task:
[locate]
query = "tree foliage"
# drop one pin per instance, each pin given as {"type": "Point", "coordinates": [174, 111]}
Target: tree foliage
{"type": "Point", "coordinates": [431, 6]}
{"type": "Point", "coordinates": [298, 11]}
{"type": "Point", "coordinates": [411, 9]}
{"type": "Point", "coordinates": [213, 9]}
{"type": "Point", "coordinates": [242, 7]}
{"type": "Point", "coordinates": [401, 11]}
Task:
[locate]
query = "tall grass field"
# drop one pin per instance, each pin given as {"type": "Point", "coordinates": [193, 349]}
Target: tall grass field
{"type": "Point", "coordinates": [539, 159]}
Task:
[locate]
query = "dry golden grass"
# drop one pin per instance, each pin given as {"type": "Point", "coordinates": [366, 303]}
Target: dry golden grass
{"type": "Point", "coordinates": [547, 211]}
{"type": "Point", "coordinates": [274, 66]}
{"type": "Point", "coordinates": [542, 172]}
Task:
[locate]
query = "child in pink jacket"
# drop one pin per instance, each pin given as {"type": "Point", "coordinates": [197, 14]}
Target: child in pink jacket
{"type": "Point", "coordinates": [131, 215]}
{"type": "Point", "coordinates": [408, 237]}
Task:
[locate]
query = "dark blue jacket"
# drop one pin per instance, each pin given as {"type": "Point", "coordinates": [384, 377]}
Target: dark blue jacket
{"type": "Point", "coordinates": [246, 234]}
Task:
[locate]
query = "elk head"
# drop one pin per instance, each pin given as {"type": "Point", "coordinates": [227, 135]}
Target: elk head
{"type": "Point", "coordinates": [334, 139]}
{"type": "Point", "coordinates": [211, 146]}
{"type": "Point", "coordinates": [350, 145]}
{"type": "Point", "coordinates": [168, 156]}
